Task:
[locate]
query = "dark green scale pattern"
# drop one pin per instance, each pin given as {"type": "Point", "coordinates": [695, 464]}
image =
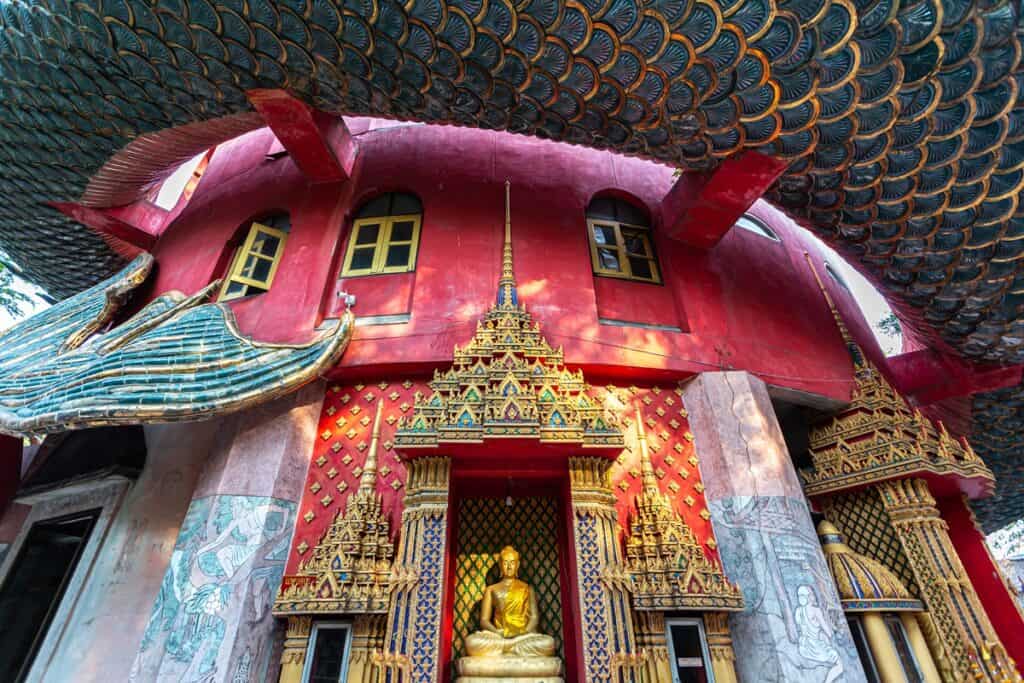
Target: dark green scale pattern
{"type": "Point", "coordinates": [486, 525]}
{"type": "Point", "coordinates": [902, 121]}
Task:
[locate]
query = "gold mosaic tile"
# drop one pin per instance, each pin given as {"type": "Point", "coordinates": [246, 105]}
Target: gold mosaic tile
{"type": "Point", "coordinates": [332, 473]}
{"type": "Point", "coordinates": [365, 421]}
{"type": "Point", "coordinates": [326, 500]}
{"type": "Point", "coordinates": [315, 488]}
{"type": "Point", "coordinates": [342, 486]}
{"type": "Point", "coordinates": [326, 434]}
{"type": "Point", "coordinates": [355, 410]}
{"type": "Point", "coordinates": [309, 516]}
{"type": "Point", "coordinates": [321, 461]}
{"type": "Point", "coordinates": [336, 446]}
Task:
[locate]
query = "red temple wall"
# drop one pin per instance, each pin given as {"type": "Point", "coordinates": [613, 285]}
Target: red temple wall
{"type": "Point", "coordinates": [748, 303]}
{"type": "Point", "coordinates": [346, 423]}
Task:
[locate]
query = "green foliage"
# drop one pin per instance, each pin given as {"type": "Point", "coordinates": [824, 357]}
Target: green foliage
{"type": "Point", "coordinates": [889, 325]}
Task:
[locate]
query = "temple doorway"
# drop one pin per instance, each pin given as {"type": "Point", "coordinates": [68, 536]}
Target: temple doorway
{"type": "Point", "coordinates": [529, 514]}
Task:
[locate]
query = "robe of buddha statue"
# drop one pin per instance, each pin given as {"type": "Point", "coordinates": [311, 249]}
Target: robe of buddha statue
{"type": "Point", "coordinates": [509, 617]}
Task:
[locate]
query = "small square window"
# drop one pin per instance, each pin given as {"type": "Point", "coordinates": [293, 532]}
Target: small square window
{"type": "Point", "coordinates": [383, 241]}
{"type": "Point", "coordinates": [255, 263]}
{"type": "Point", "coordinates": [620, 241]}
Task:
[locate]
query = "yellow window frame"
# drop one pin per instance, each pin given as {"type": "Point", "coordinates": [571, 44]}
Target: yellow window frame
{"type": "Point", "coordinates": [383, 243]}
{"type": "Point", "coordinates": [241, 257]}
{"type": "Point", "coordinates": [643, 232]}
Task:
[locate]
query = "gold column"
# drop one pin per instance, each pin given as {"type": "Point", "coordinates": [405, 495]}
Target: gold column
{"type": "Point", "coordinates": [883, 650]}
{"type": "Point", "coordinates": [296, 642]}
{"type": "Point", "coordinates": [920, 647]}
{"type": "Point", "coordinates": [367, 640]}
{"type": "Point", "coordinates": [606, 614]}
{"type": "Point", "coordinates": [723, 659]}
{"type": "Point", "coordinates": [652, 640]}
{"type": "Point", "coordinates": [946, 589]}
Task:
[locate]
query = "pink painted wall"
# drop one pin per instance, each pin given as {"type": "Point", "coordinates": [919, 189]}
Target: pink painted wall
{"type": "Point", "coordinates": [748, 303]}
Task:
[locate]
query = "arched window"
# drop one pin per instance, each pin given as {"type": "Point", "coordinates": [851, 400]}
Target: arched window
{"type": "Point", "coordinates": [385, 236]}
{"type": "Point", "coordinates": [255, 261]}
{"type": "Point", "coordinates": [620, 241]}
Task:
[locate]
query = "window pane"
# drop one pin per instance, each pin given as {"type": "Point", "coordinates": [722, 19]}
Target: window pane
{"type": "Point", "coordinates": [265, 244]}
{"type": "Point", "coordinates": [362, 258]}
{"type": "Point", "coordinates": [602, 208]}
{"type": "Point", "coordinates": [866, 660]}
{"type": "Point", "coordinates": [899, 638]}
{"type": "Point", "coordinates": [378, 206]}
{"type": "Point", "coordinates": [328, 655]}
{"type": "Point", "coordinates": [641, 268]}
{"type": "Point", "coordinates": [402, 231]}
{"type": "Point", "coordinates": [689, 655]}
{"type": "Point", "coordinates": [257, 268]}
{"type": "Point", "coordinates": [609, 259]}
{"type": "Point", "coordinates": [368, 234]}
{"type": "Point", "coordinates": [398, 255]}
{"type": "Point", "coordinates": [34, 587]}
{"type": "Point", "coordinates": [403, 204]}
{"type": "Point", "coordinates": [235, 289]}
{"type": "Point", "coordinates": [635, 243]}
{"type": "Point", "coordinates": [604, 234]}
{"type": "Point", "coordinates": [627, 213]}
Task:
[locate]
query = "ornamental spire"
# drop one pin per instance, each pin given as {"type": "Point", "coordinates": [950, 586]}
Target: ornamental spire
{"type": "Point", "coordinates": [368, 479]}
{"type": "Point", "coordinates": [650, 481]}
{"type": "Point", "coordinates": [507, 294]}
{"type": "Point", "coordinates": [856, 353]}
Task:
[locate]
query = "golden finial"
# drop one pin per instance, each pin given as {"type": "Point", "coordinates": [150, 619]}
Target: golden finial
{"type": "Point", "coordinates": [507, 284]}
{"type": "Point", "coordinates": [368, 479]}
{"type": "Point", "coordinates": [855, 351]}
{"type": "Point", "coordinates": [650, 482]}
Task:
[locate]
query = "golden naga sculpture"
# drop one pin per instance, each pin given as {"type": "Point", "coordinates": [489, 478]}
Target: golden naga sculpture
{"type": "Point", "coordinates": [509, 646]}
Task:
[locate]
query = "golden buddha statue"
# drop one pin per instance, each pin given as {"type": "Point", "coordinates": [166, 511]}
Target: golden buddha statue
{"type": "Point", "coordinates": [509, 646]}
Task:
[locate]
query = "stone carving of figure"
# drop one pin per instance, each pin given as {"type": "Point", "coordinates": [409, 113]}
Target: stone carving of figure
{"type": "Point", "coordinates": [815, 639]}
{"type": "Point", "coordinates": [508, 644]}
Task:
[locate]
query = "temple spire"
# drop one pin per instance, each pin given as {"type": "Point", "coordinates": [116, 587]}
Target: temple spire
{"type": "Point", "coordinates": [650, 481]}
{"type": "Point", "coordinates": [856, 353]}
{"type": "Point", "coordinates": [507, 294]}
{"type": "Point", "coordinates": [368, 479]}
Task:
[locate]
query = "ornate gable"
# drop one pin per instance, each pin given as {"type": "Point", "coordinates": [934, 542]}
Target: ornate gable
{"type": "Point", "coordinates": [666, 564]}
{"type": "Point", "coordinates": [349, 570]}
{"type": "Point", "coordinates": [508, 382]}
{"type": "Point", "coordinates": [879, 436]}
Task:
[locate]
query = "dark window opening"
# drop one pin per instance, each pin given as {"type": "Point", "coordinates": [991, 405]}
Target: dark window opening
{"type": "Point", "coordinates": [328, 662]}
{"type": "Point", "coordinates": [861, 642]}
{"type": "Point", "coordinates": [688, 651]}
{"type": "Point", "coordinates": [906, 654]}
{"type": "Point", "coordinates": [35, 585]}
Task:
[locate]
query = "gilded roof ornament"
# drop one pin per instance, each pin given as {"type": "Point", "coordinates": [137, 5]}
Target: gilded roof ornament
{"type": "Point", "coordinates": [878, 436]}
{"type": "Point", "coordinates": [508, 382]}
{"type": "Point", "coordinates": [864, 584]}
{"type": "Point", "coordinates": [349, 570]}
{"type": "Point", "coordinates": [666, 564]}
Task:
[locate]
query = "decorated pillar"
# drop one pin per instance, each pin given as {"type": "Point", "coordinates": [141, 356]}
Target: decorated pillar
{"type": "Point", "coordinates": [212, 617]}
{"type": "Point", "coordinates": [413, 639]}
{"type": "Point", "coordinates": [792, 627]}
{"type": "Point", "coordinates": [296, 643]}
{"type": "Point", "coordinates": [873, 467]}
{"type": "Point", "coordinates": [946, 589]}
{"type": "Point", "coordinates": [606, 619]}
{"type": "Point", "coordinates": [723, 657]}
